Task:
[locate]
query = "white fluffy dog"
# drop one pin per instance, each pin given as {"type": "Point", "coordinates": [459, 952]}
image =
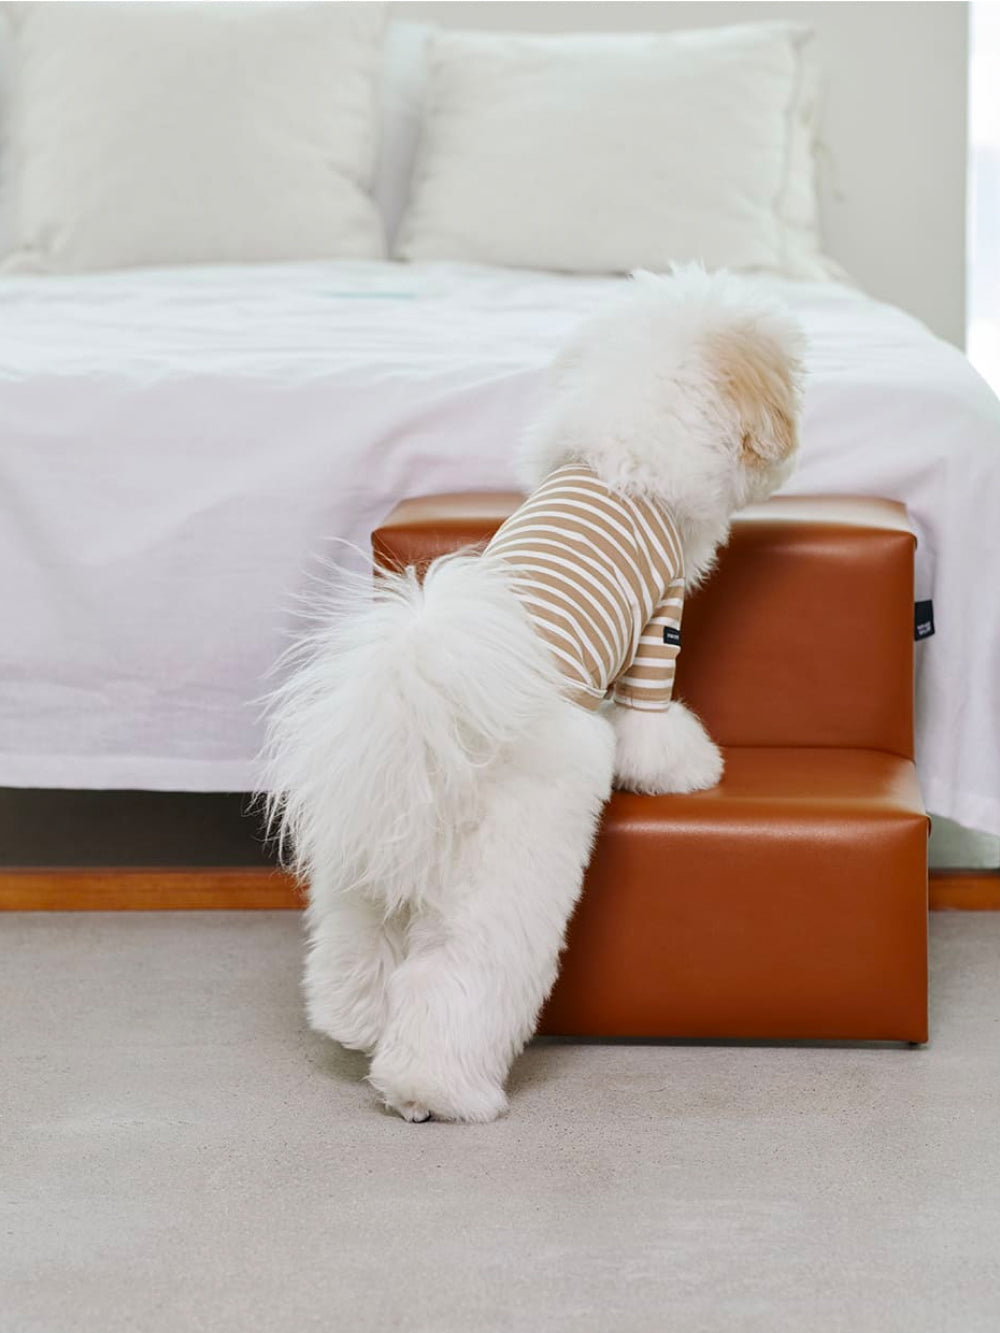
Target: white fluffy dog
{"type": "Point", "coordinates": [440, 760]}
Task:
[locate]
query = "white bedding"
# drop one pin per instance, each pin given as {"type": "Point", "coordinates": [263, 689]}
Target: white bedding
{"type": "Point", "coordinates": [178, 450]}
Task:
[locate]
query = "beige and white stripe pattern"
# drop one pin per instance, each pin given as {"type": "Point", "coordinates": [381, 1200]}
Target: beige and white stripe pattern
{"type": "Point", "coordinates": [601, 575]}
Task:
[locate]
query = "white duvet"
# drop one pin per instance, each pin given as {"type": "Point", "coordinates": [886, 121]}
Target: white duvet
{"type": "Point", "coordinates": [179, 449]}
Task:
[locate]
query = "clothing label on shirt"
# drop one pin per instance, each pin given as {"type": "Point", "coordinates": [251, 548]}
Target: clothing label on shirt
{"type": "Point", "coordinates": [923, 619]}
{"type": "Point", "coordinates": [671, 634]}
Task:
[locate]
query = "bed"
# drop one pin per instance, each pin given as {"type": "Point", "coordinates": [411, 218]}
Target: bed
{"type": "Point", "coordinates": [188, 452]}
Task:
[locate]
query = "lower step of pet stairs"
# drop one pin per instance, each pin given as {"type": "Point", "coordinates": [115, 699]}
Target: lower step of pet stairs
{"type": "Point", "coordinates": [789, 902]}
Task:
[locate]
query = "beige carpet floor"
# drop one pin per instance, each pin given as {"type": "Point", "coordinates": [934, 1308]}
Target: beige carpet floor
{"type": "Point", "coordinates": [177, 1152]}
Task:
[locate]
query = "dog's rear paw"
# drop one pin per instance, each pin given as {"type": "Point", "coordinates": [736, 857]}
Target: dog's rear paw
{"type": "Point", "coordinates": [413, 1112]}
{"type": "Point", "coordinates": [352, 1035]}
{"type": "Point", "coordinates": [416, 1100]}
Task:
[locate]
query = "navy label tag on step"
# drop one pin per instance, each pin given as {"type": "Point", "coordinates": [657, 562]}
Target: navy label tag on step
{"type": "Point", "coordinates": [923, 619]}
{"type": "Point", "coordinates": [671, 634]}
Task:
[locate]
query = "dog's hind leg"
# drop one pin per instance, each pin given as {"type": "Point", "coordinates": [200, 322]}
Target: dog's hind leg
{"type": "Point", "coordinates": [352, 952]}
{"type": "Point", "coordinates": [481, 960]}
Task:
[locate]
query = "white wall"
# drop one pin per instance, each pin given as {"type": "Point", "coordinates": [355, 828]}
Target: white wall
{"type": "Point", "coordinates": [983, 284]}
{"type": "Point", "coordinates": [894, 125]}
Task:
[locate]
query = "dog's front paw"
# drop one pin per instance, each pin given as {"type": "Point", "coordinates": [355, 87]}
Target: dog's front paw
{"type": "Point", "coordinates": [659, 753]}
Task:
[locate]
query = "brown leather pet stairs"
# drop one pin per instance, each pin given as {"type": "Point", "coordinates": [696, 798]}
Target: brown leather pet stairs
{"type": "Point", "coordinates": [791, 901]}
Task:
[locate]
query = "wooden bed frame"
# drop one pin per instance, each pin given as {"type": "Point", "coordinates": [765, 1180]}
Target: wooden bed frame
{"type": "Point", "coordinates": [231, 888]}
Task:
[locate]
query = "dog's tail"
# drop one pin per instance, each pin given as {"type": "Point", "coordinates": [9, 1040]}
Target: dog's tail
{"type": "Point", "coordinates": [381, 739]}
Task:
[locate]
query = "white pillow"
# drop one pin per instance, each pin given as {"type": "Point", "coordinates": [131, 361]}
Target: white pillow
{"type": "Point", "coordinates": [404, 83]}
{"type": "Point", "coordinates": [604, 153]}
{"type": "Point", "coordinates": [168, 133]}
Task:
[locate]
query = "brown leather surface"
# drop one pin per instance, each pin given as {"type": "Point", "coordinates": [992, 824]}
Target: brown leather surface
{"type": "Point", "coordinates": [802, 636]}
{"type": "Point", "coordinates": [791, 901]}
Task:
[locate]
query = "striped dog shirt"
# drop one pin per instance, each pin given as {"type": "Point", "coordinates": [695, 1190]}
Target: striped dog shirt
{"type": "Point", "coordinates": [601, 576]}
